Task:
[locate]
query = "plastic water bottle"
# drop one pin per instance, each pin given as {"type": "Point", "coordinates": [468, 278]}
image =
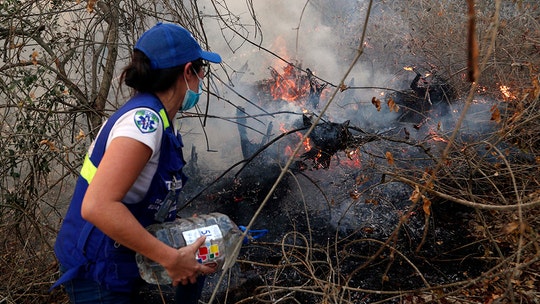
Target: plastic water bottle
{"type": "Point", "coordinates": [222, 236]}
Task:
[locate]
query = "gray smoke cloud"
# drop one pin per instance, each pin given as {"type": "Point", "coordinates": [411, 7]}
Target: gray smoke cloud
{"type": "Point", "coordinates": [323, 36]}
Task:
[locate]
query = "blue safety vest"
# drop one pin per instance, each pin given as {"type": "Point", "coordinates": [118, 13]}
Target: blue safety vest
{"type": "Point", "coordinates": [86, 252]}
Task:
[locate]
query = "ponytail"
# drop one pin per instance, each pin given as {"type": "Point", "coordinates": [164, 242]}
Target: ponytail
{"type": "Point", "coordinates": [139, 76]}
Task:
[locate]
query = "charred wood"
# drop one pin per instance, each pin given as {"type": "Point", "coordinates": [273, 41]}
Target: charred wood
{"type": "Point", "coordinates": [248, 147]}
{"type": "Point", "coordinates": [315, 90]}
{"type": "Point", "coordinates": [328, 138]}
{"type": "Point", "coordinates": [426, 94]}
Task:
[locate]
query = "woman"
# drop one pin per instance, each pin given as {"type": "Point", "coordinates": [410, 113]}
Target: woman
{"type": "Point", "coordinates": [130, 176]}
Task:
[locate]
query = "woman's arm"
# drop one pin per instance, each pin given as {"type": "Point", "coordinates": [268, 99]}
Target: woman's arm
{"type": "Point", "coordinates": [102, 205]}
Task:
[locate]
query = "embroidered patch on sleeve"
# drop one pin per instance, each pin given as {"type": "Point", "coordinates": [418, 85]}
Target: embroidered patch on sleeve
{"type": "Point", "coordinates": [147, 121]}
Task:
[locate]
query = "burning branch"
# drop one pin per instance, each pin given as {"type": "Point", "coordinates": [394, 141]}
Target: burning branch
{"type": "Point", "coordinates": [294, 86]}
{"type": "Point", "coordinates": [328, 138]}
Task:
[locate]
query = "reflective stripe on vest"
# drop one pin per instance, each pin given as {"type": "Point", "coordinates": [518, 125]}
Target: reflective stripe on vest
{"type": "Point", "coordinates": [88, 169]}
{"type": "Point", "coordinates": [164, 118]}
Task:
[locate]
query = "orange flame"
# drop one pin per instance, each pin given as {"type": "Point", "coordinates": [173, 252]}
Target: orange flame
{"type": "Point", "coordinates": [506, 92]}
{"type": "Point", "coordinates": [288, 149]}
{"type": "Point", "coordinates": [289, 85]}
{"type": "Point", "coordinates": [307, 145]}
{"type": "Point", "coordinates": [353, 159]}
{"type": "Point", "coordinates": [290, 82]}
{"type": "Point", "coordinates": [436, 137]}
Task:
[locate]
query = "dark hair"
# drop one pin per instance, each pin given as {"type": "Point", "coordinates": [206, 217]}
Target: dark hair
{"type": "Point", "coordinates": [139, 76]}
{"type": "Point", "coordinates": [198, 64]}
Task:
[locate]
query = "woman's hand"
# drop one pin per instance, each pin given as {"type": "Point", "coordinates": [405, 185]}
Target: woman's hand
{"type": "Point", "coordinates": [184, 267]}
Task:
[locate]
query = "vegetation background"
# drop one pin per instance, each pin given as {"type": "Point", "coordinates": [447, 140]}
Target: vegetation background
{"type": "Point", "coordinates": [59, 68]}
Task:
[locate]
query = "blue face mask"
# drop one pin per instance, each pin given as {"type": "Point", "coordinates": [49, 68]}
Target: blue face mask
{"type": "Point", "coordinates": [191, 98]}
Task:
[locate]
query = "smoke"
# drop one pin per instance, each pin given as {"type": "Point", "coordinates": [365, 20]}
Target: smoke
{"type": "Point", "coordinates": [289, 29]}
{"type": "Point", "coordinates": [321, 35]}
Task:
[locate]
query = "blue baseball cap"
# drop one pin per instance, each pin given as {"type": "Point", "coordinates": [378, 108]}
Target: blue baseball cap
{"type": "Point", "coordinates": [169, 45]}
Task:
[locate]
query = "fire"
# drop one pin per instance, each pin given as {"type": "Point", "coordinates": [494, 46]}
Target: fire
{"type": "Point", "coordinates": [481, 89]}
{"type": "Point", "coordinates": [307, 145]}
{"type": "Point", "coordinates": [289, 149]}
{"type": "Point", "coordinates": [436, 137]}
{"type": "Point", "coordinates": [353, 158]}
{"type": "Point", "coordinates": [507, 94]}
{"type": "Point", "coordinates": [292, 83]}
{"type": "Point", "coordinates": [412, 69]}
{"type": "Point", "coordinates": [289, 85]}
